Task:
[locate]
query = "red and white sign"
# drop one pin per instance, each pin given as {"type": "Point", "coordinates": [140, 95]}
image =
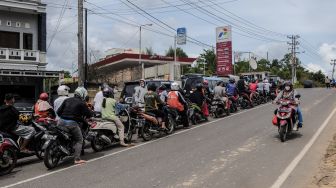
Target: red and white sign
{"type": "Point", "coordinates": [224, 51]}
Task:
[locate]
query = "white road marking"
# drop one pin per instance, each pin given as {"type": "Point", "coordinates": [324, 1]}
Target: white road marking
{"type": "Point", "coordinates": [282, 178]}
{"type": "Point", "coordinates": [134, 147]}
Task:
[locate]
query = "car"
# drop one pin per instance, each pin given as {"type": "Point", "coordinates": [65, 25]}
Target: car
{"type": "Point", "coordinates": [24, 106]}
{"type": "Point", "coordinates": [189, 82]}
{"type": "Point", "coordinates": [128, 90]}
{"type": "Point", "coordinates": [308, 84]}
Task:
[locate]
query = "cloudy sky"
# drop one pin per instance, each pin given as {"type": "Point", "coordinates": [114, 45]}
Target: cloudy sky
{"type": "Point", "coordinates": [259, 26]}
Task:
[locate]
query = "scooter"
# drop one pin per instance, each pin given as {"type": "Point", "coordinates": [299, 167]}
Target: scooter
{"type": "Point", "coordinates": [104, 133]}
{"type": "Point", "coordinates": [286, 118]}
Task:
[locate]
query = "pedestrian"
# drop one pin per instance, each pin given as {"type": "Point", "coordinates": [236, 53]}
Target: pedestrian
{"type": "Point", "coordinates": [327, 82]}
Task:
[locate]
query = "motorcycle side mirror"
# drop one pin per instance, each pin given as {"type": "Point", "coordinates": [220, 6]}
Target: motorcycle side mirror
{"type": "Point", "coordinates": [298, 96]}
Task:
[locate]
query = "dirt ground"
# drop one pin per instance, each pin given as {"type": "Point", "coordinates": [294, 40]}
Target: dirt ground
{"type": "Point", "coordinates": [326, 176]}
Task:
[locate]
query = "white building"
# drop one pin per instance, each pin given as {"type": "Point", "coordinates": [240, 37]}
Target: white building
{"type": "Point", "coordinates": [23, 47]}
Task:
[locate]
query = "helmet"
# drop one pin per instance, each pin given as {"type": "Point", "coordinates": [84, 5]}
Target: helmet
{"type": "Point", "coordinates": [232, 80]}
{"type": "Point", "coordinates": [205, 82]}
{"type": "Point", "coordinates": [63, 90]}
{"type": "Point", "coordinates": [81, 92]}
{"type": "Point", "coordinates": [253, 81]}
{"type": "Point", "coordinates": [103, 85]}
{"type": "Point", "coordinates": [199, 86]}
{"type": "Point", "coordinates": [175, 86]}
{"type": "Point", "coordinates": [44, 96]}
{"type": "Point", "coordinates": [108, 92]}
{"type": "Point", "coordinates": [151, 87]}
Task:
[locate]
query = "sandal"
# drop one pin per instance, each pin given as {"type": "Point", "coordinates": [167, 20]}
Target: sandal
{"type": "Point", "coordinates": [80, 162]}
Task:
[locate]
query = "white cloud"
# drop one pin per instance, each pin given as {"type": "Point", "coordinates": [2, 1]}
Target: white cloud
{"type": "Point", "coordinates": [328, 52]}
{"type": "Point", "coordinates": [275, 50]}
{"type": "Point", "coordinates": [315, 67]}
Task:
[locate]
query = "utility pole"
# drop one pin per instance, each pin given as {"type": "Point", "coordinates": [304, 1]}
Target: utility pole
{"type": "Point", "coordinates": [333, 70]}
{"type": "Point", "coordinates": [80, 44]}
{"type": "Point", "coordinates": [293, 47]}
{"type": "Point", "coordinates": [86, 55]}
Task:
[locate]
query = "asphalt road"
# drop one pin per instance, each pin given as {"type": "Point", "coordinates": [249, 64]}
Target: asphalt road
{"type": "Point", "coordinates": [242, 150]}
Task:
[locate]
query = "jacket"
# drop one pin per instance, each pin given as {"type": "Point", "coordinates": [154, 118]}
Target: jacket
{"type": "Point", "coordinates": [197, 97]}
{"type": "Point", "coordinates": [74, 109]}
{"type": "Point", "coordinates": [9, 116]}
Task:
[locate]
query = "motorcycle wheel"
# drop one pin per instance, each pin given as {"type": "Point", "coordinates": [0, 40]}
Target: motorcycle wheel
{"type": "Point", "coordinates": [96, 145]}
{"type": "Point", "coordinates": [283, 133]}
{"type": "Point", "coordinates": [171, 125]}
{"type": "Point", "coordinates": [145, 132]}
{"type": "Point", "coordinates": [38, 149]}
{"type": "Point", "coordinates": [129, 136]}
{"type": "Point", "coordinates": [8, 161]}
{"type": "Point", "coordinates": [52, 155]}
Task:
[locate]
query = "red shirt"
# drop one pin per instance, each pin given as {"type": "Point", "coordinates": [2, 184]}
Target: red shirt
{"type": "Point", "coordinates": [253, 86]}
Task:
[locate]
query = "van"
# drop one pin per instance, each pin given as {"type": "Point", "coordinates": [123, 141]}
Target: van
{"type": "Point", "coordinates": [189, 82]}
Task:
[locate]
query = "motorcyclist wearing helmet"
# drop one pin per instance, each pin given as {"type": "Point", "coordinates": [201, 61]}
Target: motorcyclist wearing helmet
{"type": "Point", "coordinates": [63, 93]}
{"type": "Point", "coordinates": [72, 112]}
{"type": "Point", "coordinates": [109, 113]}
{"type": "Point", "coordinates": [163, 93]}
{"type": "Point", "coordinates": [42, 108]}
{"type": "Point", "coordinates": [152, 102]}
{"type": "Point", "coordinates": [197, 96]}
{"type": "Point", "coordinates": [290, 93]}
{"type": "Point", "coordinates": [9, 117]}
{"type": "Point", "coordinates": [139, 94]}
{"type": "Point", "coordinates": [242, 89]}
{"type": "Point", "coordinates": [176, 100]}
{"type": "Point", "coordinates": [231, 88]}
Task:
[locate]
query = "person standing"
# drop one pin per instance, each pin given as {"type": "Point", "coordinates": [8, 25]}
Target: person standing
{"type": "Point", "coordinates": [139, 94]}
{"type": "Point", "coordinates": [327, 82]}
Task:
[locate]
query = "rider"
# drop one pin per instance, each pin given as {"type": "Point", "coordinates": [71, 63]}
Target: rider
{"type": "Point", "coordinates": [98, 100]}
{"type": "Point", "coordinates": [242, 89]}
{"type": "Point", "coordinates": [219, 92]}
{"type": "Point", "coordinates": [164, 93]}
{"type": "Point", "coordinates": [108, 113]}
{"type": "Point", "coordinates": [206, 89]}
{"type": "Point", "coordinates": [139, 93]}
{"type": "Point", "coordinates": [290, 93]}
{"type": "Point", "coordinates": [176, 100]}
{"type": "Point", "coordinates": [197, 97]}
{"type": "Point", "coordinates": [72, 112]}
{"type": "Point", "coordinates": [63, 92]}
{"type": "Point", "coordinates": [42, 108]}
{"type": "Point", "coordinates": [267, 87]}
{"type": "Point", "coordinates": [253, 86]}
{"type": "Point", "coordinates": [9, 116]}
{"type": "Point", "coordinates": [152, 100]}
{"type": "Point", "coordinates": [231, 88]}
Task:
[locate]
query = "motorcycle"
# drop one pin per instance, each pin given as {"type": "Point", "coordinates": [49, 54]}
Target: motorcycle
{"type": "Point", "coordinates": [105, 133]}
{"type": "Point", "coordinates": [219, 107]}
{"type": "Point", "coordinates": [196, 115]}
{"type": "Point", "coordinates": [176, 118]}
{"type": "Point", "coordinates": [151, 126]}
{"type": "Point", "coordinates": [59, 144]}
{"type": "Point", "coordinates": [243, 101]}
{"type": "Point", "coordinates": [286, 118]}
{"type": "Point", "coordinates": [8, 154]}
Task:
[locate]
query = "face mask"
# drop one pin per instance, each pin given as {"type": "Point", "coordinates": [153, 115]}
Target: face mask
{"type": "Point", "coordinates": [287, 88]}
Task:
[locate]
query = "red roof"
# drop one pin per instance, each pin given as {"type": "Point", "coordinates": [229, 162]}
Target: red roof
{"type": "Point", "coordinates": [135, 57]}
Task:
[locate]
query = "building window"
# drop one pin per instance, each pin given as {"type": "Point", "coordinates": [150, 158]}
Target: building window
{"type": "Point", "coordinates": [9, 23]}
{"type": "Point", "coordinates": [27, 25]}
{"type": "Point", "coordinates": [17, 24]}
{"type": "Point", "coordinates": [27, 41]}
{"type": "Point", "coordinates": [9, 39]}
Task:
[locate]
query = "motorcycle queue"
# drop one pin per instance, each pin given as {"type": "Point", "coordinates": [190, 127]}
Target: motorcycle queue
{"type": "Point", "coordinates": [56, 143]}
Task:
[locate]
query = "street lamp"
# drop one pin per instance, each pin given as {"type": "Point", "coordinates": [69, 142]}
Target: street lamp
{"type": "Point", "coordinates": [140, 63]}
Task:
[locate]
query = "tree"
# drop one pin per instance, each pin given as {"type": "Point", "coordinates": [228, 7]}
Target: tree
{"type": "Point", "coordinates": [67, 74]}
{"type": "Point", "coordinates": [149, 51]}
{"type": "Point", "coordinates": [179, 52]}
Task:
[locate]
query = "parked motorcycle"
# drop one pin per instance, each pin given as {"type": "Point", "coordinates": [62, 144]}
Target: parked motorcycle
{"type": "Point", "coordinates": [176, 118]}
{"type": "Point", "coordinates": [220, 108]}
{"type": "Point", "coordinates": [286, 118]}
{"type": "Point", "coordinates": [59, 144]}
{"type": "Point", "coordinates": [151, 126]}
{"type": "Point", "coordinates": [8, 154]}
{"type": "Point", "coordinates": [105, 133]}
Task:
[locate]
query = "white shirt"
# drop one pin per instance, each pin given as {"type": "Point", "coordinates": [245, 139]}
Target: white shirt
{"type": "Point", "coordinates": [98, 101]}
{"type": "Point", "coordinates": [267, 86]}
{"type": "Point", "coordinates": [58, 102]}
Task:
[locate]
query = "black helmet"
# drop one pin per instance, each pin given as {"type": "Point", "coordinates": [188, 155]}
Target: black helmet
{"type": "Point", "coordinates": [108, 92]}
{"type": "Point", "coordinates": [232, 80]}
{"type": "Point", "coordinates": [152, 87]}
{"type": "Point", "coordinates": [199, 86]}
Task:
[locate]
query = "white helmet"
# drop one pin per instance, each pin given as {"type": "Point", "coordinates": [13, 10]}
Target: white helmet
{"type": "Point", "coordinates": [63, 90]}
{"type": "Point", "coordinates": [81, 92]}
{"type": "Point", "coordinates": [175, 86]}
